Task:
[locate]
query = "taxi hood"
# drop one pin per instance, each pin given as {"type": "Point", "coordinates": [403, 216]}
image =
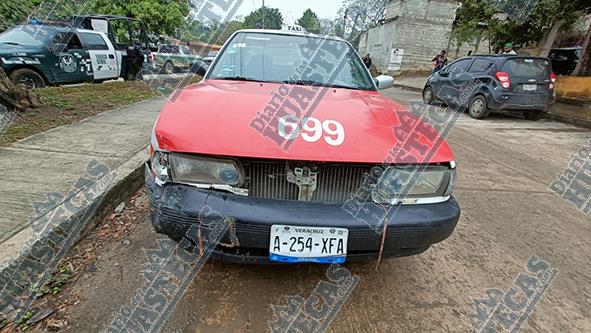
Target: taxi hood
{"type": "Point", "coordinates": [224, 118]}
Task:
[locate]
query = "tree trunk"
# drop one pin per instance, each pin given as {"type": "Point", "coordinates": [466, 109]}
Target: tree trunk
{"type": "Point", "coordinates": [550, 37]}
{"type": "Point", "coordinates": [584, 66]}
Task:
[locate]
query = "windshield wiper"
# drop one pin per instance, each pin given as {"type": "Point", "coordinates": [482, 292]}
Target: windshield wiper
{"type": "Point", "coordinates": [11, 43]}
{"type": "Point", "coordinates": [319, 84]}
{"type": "Point", "coordinates": [236, 78]}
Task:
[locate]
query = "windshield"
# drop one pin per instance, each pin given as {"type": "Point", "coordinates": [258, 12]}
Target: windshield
{"type": "Point", "coordinates": [267, 57]}
{"type": "Point", "coordinates": [27, 35]}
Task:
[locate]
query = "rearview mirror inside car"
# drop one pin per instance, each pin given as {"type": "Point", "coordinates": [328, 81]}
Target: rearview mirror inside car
{"type": "Point", "coordinates": [384, 81]}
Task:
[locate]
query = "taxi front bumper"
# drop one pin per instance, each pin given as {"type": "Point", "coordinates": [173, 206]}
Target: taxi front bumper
{"type": "Point", "coordinates": [411, 230]}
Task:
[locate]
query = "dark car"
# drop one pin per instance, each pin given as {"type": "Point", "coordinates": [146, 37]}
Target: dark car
{"type": "Point", "coordinates": [564, 60]}
{"type": "Point", "coordinates": [504, 83]}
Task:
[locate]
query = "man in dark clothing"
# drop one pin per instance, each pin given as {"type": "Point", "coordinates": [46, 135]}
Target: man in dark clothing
{"type": "Point", "coordinates": [439, 61]}
{"type": "Point", "coordinates": [367, 61]}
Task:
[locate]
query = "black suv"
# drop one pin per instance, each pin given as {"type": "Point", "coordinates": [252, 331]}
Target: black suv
{"type": "Point", "coordinates": [505, 82]}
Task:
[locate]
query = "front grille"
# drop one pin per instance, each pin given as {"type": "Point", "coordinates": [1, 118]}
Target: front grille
{"type": "Point", "coordinates": [335, 182]}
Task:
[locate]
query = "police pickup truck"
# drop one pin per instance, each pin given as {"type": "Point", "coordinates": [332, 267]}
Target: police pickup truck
{"type": "Point", "coordinates": [40, 55]}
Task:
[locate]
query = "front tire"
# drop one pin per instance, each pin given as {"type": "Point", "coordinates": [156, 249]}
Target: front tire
{"type": "Point", "coordinates": [428, 96]}
{"type": "Point", "coordinates": [533, 115]}
{"type": "Point", "coordinates": [27, 77]}
{"type": "Point", "coordinates": [478, 108]}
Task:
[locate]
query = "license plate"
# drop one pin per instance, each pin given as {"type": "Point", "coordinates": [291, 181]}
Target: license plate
{"type": "Point", "coordinates": [530, 87]}
{"type": "Point", "coordinates": [308, 244]}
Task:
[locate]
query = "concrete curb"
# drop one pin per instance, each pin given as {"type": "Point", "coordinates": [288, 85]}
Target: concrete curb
{"type": "Point", "coordinates": [35, 254]}
{"type": "Point", "coordinates": [568, 120]}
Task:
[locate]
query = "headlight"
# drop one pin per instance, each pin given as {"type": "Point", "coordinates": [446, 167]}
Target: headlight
{"type": "Point", "coordinates": [416, 182]}
{"type": "Point", "coordinates": [160, 166]}
{"type": "Point", "coordinates": [205, 170]}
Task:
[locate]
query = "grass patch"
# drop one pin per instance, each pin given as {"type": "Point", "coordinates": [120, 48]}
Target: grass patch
{"type": "Point", "coordinates": [67, 105]}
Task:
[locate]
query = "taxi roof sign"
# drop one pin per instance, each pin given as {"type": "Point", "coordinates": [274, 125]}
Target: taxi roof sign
{"type": "Point", "coordinates": [295, 27]}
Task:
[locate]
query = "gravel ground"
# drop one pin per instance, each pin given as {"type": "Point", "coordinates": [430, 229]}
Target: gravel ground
{"type": "Point", "coordinates": [505, 166]}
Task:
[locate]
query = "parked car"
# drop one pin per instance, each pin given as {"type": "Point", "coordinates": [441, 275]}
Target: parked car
{"type": "Point", "coordinates": [294, 205]}
{"type": "Point", "coordinates": [505, 82]}
{"type": "Point", "coordinates": [174, 58]}
{"type": "Point", "coordinates": [40, 55]}
{"type": "Point", "coordinates": [210, 57]}
{"type": "Point", "coordinates": [565, 60]}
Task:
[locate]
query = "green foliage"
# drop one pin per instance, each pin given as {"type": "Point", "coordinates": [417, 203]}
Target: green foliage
{"type": "Point", "coordinates": [55, 283]}
{"type": "Point", "coordinates": [213, 33]}
{"type": "Point", "coordinates": [534, 26]}
{"type": "Point", "coordinates": [22, 322]}
{"type": "Point", "coordinates": [309, 21]}
{"type": "Point", "coordinates": [15, 12]}
{"type": "Point", "coordinates": [272, 16]}
{"type": "Point", "coordinates": [160, 16]}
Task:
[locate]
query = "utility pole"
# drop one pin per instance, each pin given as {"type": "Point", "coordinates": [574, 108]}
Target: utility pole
{"type": "Point", "coordinates": [263, 10]}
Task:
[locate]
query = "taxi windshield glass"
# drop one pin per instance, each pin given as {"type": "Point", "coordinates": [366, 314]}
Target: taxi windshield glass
{"type": "Point", "coordinates": [306, 60]}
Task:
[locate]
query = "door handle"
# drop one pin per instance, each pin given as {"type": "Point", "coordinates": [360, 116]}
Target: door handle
{"type": "Point", "coordinates": [111, 56]}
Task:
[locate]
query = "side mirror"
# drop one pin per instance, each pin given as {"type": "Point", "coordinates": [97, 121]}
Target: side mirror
{"type": "Point", "coordinates": [443, 73]}
{"type": "Point", "coordinates": [384, 82]}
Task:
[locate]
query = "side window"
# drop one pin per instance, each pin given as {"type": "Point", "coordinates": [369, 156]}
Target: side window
{"type": "Point", "coordinates": [69, 39]}
{"type": "Point", "coordinates": [73, 42]}
{"type": "Point", "coordinates": [185, 50]}
{"type": "Point", "coordinates": [480, 65]}
{"type": "Point", "coordinates": [93, 41]}
{"type": "Point", "coordinates": [459, 66]}
{"type": "Point", "coordinates": [121, 32]}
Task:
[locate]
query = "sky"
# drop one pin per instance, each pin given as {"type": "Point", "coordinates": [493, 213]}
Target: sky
{"type": "Point", "coordinates": [293, 9]}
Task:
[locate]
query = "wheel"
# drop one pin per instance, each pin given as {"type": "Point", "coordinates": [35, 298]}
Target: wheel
{"type": "Point", "coordinates": [534, 115]}
{"type": "Point", "coordinates": [428, 96]}
{"type": "Point", "coordinates": [28, 77]}
{"type": "Point", "coordinates": [168, 68]}
{"type": "Point", "coordinates": [478, 108]}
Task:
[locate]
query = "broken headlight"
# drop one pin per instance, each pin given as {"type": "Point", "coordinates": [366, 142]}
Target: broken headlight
{"type": "Point", "coordinates": [400, 184]}
{"type": "Point", "coordinates": [204, 170]}
{"type": "Point", "coordinates": [160, 166]}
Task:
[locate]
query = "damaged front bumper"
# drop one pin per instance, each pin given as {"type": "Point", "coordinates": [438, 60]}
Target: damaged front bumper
{"type": "Point", "coordinates": [174, 208]}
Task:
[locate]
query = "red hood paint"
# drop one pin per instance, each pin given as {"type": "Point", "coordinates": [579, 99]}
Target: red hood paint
{"type": "Point", "coordinates": [213, 118]}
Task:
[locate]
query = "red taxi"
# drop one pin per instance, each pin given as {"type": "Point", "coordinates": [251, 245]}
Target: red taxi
{"type": "Point", "coordinates": [289, 135]}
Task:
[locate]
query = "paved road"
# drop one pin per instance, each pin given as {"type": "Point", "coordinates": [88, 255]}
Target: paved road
{"type": "Point", "coordinates": [505, 167]}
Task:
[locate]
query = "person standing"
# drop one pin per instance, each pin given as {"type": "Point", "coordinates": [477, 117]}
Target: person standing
{"type": "Point", "coordinates": [367, 61]}
{"type": "Point", "coordinates": [508, 49]}
{"type": "Point", "coordinates": [439, 61]}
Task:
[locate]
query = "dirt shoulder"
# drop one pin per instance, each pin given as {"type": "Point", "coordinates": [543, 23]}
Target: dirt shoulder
{"type": "Point", "coordinates": [67, 105]}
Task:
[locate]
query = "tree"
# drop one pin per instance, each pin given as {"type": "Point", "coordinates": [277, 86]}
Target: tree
{"type": "Point", "coordinates": [309, 21]}
{"type": "Point", "coordinates": [160, 16]}
{"type": "Point", "coordinates": [538, 24]}
{"type": "Point", "coordinates": [272, 19]}
{"type": "Point", "coordinates": [14, 12]}
{"type": "Point", "coordinates": [327, 27]}
{"type": "Point", "coordinates": [360, 15]}
{"type": "Point", "coordinates": [584, 65]}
